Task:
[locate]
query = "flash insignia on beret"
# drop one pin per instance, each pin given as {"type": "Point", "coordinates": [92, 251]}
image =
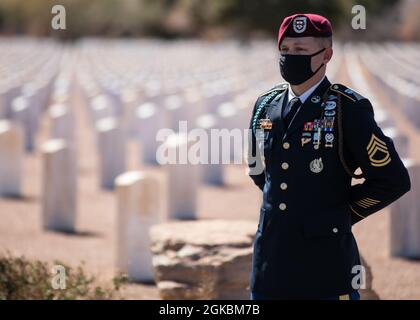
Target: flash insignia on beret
{"type": "Point", "coordinates": [299, 24]}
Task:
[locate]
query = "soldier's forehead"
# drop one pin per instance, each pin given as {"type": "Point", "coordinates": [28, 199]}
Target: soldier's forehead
{"type": "Point", "coordinates": [298, 40]}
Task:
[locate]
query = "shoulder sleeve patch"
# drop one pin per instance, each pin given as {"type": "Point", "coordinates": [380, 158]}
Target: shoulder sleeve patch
{"type": "Point", "coordinates": [347, 92]}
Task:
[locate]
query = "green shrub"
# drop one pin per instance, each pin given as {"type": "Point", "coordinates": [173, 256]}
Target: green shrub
{"type": "Point", "coordinates": [22, 279]}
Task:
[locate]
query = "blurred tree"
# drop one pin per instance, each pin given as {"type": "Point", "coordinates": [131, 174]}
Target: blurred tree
{"type": "Point", "coordinates": [171, 18]}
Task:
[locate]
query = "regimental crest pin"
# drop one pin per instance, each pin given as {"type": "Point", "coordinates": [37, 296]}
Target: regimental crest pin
{"type": "Point", "coordinates": [316, 99]}
{"type": "Point", "coordinates": [316, 165]}
{"type": "Point", "coordinates": [299, 24]}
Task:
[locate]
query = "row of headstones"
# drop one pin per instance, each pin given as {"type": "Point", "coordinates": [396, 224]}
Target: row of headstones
{"type": "Point", "coordinates": [402, 58]}
{"type": "Point", "coordinates": [405, 212]}
{"type": "Point", "coordinates": [21, 106]}
{"type": "Point", "coordinates": [403, 91]}
{"type": "Point", "coordinates": [138, 197]}
{"type": "Point", "coordinates": [60, 185]}
{"type": "Point", "coordinates": [185, 61]}
{"type": "Point", "coordinates": [144, 122]}
{"type": "Point", "coordinates": [12, 148]}
{"type": "Point", "coordinates": [137, 192]}
{"type": "Point", "coordinates": [111, 148]}
{"type": "Point", "coordinates": [23, 102]}
{"type": "Point", "coordinates": [134, 219]}
{"type": "Point", "coordinates": [202, 108]}
{"type": "Point", "coordinates": [134, 256]}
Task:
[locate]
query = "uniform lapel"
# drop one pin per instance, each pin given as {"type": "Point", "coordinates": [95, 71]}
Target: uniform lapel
{"type": "Point", "coordinates": [310, 109]}
{"type": "Point", "coordinates": [275, 113]}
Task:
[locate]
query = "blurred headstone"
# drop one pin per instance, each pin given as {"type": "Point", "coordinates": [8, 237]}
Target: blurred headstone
{"type": "Point", "coordinates": [138, 210]}
{"type": "Point", "coordinates": [182, 179]}
{"type": "Point", "coordinates": [59, 197]}
{"type": "Point", "coordinates": [11, 158]}
{"type": "Point", "coordinates": [22, 115]}
{"type": "Point", "coordinates": [405, 218]}
{"type": "Point", "coordinates": [210, 173]}
{"type": "Point", "coordinates": [401, 141]}
{"type": "Point", "coordinates": [62, 126]}
{"type": "Point", "coordinates": [112, 151]}
{"type": "Point", "coordinates": [149, 121]}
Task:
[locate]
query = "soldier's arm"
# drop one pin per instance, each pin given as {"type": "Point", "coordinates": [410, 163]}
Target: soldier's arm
{"type": "Point", "coordinates": [386, 178]}
{"type": "Point", "coordinates": [254, 157]}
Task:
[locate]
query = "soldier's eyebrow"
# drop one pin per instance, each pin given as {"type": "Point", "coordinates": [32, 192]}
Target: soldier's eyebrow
{"type": "Point", "coordinates": [300, 44]}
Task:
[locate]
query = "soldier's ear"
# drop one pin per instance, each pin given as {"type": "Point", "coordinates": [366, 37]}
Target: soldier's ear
{"type": "Point", "coordinates": [328, 53]}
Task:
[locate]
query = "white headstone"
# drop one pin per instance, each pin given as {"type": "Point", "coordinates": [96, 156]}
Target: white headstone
{"type": "Point", "coordinates": [62, 125]}
{"type": "Point", "coordinates": [405, 218]}
{"type": "Point", "coordinates": [11, 158]}
{"type": "Point", "coordinates": [3, 101]}
{"type": "Point", "coordinates": [194, 103]}
{"type": "Point", "coordinates": [175, 110]}
{"type": "Point", "coordinates": [211, 173]}
{"type": "Point", "coordinates": [138, 211]}
{"type": "Point", "coordinates": [32, 93]}
{"type": "Point", "coordinates": [401, 141]}
{"type": "Point", "coordinates": [129, 100]}
{"type": "Point", "coordinates": [229, 119]}
{"type": "Point", "coordinates": [59, 186]}
{"type": "Point", "coordinates": [101, 107]}
{"type": "Point", "coordinates": [149, 121]}
{"type": "Point", "coordinates": [112, 151]}
{"type": "Point", "coordinates": [182, 180]}
{"type": "Point", "coordinates": [22, 115]}
{"type": "Point", "coordinates": [382, 118]}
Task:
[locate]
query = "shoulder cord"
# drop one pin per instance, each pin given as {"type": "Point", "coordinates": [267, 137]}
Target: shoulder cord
{"type": "Point", "coordinates": [261, 106]}
{"type": "Point", "coordinates": [341, 143]}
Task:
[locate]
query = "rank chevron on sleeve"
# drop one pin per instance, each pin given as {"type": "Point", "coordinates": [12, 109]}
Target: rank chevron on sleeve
{"type": "Point", "coordinates": [376, 147]}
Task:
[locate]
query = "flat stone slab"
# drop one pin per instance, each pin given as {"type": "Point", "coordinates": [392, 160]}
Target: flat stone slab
{"type": "Point", "coordinates": [208, 259]}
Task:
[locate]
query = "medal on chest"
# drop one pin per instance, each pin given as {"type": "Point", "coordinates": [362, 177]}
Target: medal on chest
{"type": "Point", "coordinates": [321, 131]}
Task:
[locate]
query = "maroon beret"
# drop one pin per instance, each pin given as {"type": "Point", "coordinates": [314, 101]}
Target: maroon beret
{"type": "Point", "coordinates": [304, 25]}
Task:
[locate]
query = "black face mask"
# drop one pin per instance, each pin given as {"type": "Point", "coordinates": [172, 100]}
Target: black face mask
{"type": "Point", "coordinates": [296, 69]}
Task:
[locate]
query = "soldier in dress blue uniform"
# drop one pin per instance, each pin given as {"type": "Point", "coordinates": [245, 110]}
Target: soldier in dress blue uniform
{"type": "Point", "coordinates": [308, 138]}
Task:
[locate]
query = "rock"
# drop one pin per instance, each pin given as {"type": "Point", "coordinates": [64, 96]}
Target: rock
{"type": "Point", "coordinates": [210, 260]}
{"type": "Point", "coordinates": [203, 259]}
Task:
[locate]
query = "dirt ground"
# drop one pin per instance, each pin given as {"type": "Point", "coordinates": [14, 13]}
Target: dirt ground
{"type": "Point", "coordinates": [21, 232]}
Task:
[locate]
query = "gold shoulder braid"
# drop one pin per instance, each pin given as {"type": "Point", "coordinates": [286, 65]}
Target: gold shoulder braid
{"type": "Point", "coordinates": [340, 134]}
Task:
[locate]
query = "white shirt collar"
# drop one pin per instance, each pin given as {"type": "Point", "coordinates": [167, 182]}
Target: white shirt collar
{"type": "Point", "coordinates": [306, 94]}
